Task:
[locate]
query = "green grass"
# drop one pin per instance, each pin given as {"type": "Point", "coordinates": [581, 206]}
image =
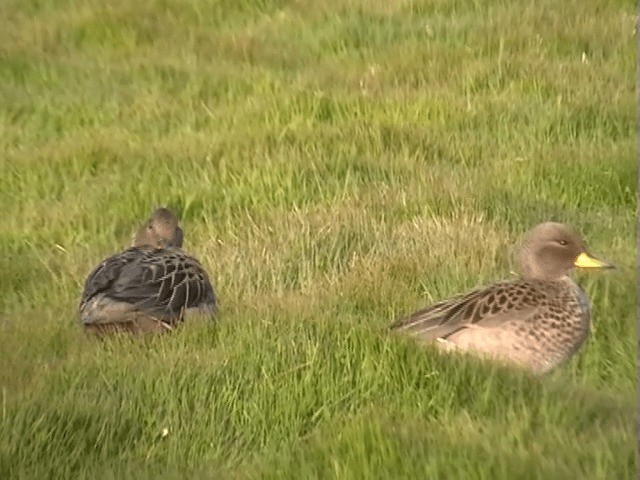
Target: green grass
{"type": "Point", "coordinates": [336, 165]}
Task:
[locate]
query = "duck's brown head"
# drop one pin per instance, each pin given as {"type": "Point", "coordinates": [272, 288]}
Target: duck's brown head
{"type": "Point", "coordinates": [551, 250]}
{"type": "Point", "coordinates": [162, 230]}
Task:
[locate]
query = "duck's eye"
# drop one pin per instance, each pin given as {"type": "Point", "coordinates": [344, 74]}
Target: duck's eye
{"type": "Point", "coordinates": [562, 242]}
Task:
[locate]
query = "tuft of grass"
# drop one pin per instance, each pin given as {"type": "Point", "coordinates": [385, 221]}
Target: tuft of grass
{"type": "Point", "coordinates": [335, 166]}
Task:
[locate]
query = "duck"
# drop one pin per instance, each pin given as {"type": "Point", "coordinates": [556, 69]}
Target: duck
{"type": "Point", "coordinates": [150, 287]}
{"type": "Point", "coordinates": [536, 322]}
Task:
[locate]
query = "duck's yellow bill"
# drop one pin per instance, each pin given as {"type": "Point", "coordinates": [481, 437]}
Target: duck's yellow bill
{"type": "Point", "coordinates": [585, 260]}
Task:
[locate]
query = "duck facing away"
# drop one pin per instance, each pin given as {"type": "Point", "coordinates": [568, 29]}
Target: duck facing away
{"type": "Point", "coordinates": [537, 322]}
{"type": "Point", "coordinates": [150, 287]}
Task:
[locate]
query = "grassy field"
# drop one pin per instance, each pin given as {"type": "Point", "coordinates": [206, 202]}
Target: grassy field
{"type": "Point", "coordinates": [336, 165]}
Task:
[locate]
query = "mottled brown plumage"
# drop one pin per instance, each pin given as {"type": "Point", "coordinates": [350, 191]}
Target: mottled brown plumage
{"type": "Point", "coordinates": [538, 321]}
{"type": "Point", "coordinates": [149, 287]}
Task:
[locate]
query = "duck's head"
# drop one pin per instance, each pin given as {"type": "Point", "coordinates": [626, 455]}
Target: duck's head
{"type": "Point", "coordinates": [162, 230]}
{"type": "Point", "coordinates": [552, 250]}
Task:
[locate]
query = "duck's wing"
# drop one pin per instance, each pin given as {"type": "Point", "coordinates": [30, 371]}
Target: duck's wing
{"type": "Point", "coordinates": [162, 282]}
{"type": "Point", "coordinates": [165, 282]}
{"type": "Point", "coordinates": [103, 276]}
{"type": "Point", "coordinates": [483, 307]}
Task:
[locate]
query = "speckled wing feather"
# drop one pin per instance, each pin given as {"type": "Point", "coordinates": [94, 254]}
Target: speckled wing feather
{"type": "Point", "coordinates": [161, 282]}
{"type": "Point", "coordinates": [104, 274]}
{"type": "Point", "coordinates": [483, 307]}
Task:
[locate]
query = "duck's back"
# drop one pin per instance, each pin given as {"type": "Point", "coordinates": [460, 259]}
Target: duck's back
{"type": "Point", "coordinates": [162, 283]}
{"type": "Point", "coordinates": [538, 324]}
